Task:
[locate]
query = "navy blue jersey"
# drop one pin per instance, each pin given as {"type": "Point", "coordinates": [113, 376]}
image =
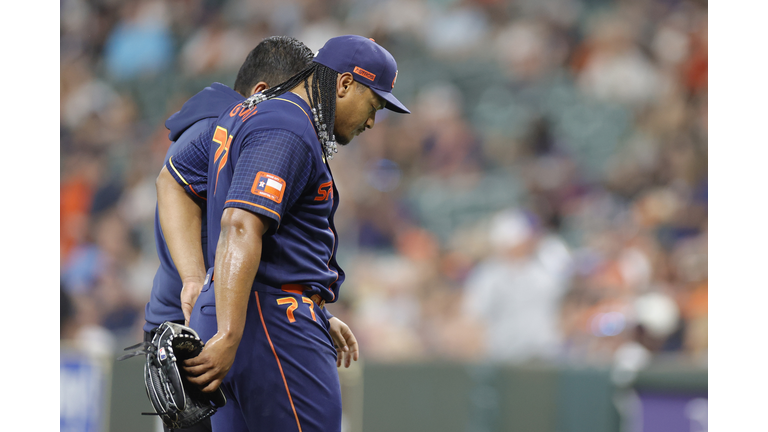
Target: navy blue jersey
{"type": "Point", "coordinates": [268, 160]}
{"type": "Point", "coordinates": [196, 116]}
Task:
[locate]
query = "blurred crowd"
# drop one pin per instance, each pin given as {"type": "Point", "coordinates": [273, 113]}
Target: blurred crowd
{"type": "Point", "coordinates": [546, 200]}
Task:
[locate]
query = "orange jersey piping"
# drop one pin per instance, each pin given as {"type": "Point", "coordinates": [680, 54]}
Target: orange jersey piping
{"type": "Point", "coordinates": [279, 365]}
{"type": "Point", "coordinates": [255, 205]}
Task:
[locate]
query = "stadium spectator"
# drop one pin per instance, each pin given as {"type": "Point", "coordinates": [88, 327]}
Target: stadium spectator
{"type": "Point", "coordinates": [516, 291]}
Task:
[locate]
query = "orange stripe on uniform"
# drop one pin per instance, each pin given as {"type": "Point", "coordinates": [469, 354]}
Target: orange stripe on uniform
{"type": "Point", "coordinates": [193, 191]}
{"type": "Point", "coordinates": [255, 205]}
{"type": "Point", "coordinates": [280, 366]}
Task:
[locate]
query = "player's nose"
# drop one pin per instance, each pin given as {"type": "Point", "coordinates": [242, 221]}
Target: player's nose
{"type": "Point", "coordinates": [370, 122]}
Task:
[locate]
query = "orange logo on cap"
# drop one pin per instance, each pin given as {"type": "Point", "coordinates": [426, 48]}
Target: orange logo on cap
{"type": "Point", "coordinates": [394, 79]}
{"type": "Point", "coordinates": [364, 73]}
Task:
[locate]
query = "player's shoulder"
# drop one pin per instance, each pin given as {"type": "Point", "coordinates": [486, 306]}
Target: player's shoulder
{"type": "Point", "coordinates": [282, 114]}
{"type": "Point", "coordinates": [285, 113]}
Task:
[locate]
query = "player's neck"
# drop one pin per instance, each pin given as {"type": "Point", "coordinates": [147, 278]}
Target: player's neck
{"type": "Point", "coordinates": [301, 92]}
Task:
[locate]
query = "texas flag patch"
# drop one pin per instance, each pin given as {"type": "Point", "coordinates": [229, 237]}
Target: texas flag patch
{"type": "Point", "coordinates": [269, 186]}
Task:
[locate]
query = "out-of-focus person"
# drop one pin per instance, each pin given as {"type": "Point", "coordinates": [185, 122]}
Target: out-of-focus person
{"type": "Point", "coordinates": [515, 292]}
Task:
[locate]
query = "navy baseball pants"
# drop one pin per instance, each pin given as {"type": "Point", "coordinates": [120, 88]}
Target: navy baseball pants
{"type": "Point", "coordinates": [284, 376]}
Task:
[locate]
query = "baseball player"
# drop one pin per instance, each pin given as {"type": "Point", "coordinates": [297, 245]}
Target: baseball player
{"type": "Point", "coordinates": [271, 202]}
{"type": "Point", "coordinates": [176, 286]}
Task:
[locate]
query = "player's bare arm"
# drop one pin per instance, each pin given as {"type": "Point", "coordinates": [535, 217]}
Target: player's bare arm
{"type": "Point", "coordinates": [345, 342]}
{"type": "Point", "coordinates": [238, 254]}
{"type": "Point", "coordinates": [181, 222]}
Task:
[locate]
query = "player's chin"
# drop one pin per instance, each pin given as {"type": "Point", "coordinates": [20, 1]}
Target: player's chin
{"type": "Point", "coordinates": [343, 140]}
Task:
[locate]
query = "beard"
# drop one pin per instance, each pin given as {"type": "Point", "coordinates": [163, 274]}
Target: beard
{"type": "Point", "coordinates": [341, 139]}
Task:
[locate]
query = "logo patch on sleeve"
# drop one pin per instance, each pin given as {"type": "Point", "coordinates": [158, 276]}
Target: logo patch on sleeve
{"type": "Point", "coordinates": [268, 186]}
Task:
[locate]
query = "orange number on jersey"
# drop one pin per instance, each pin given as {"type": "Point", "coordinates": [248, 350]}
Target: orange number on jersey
{"type": "Point", "coordinates": [293, 305]}
{"type": "Point", "coordinates": [220, 137]}
{"type": "Point", "coordinates": [311, 306]}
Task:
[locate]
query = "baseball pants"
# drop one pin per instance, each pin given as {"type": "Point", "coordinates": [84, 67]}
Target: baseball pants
{"type": "Point", "coordinates": [284, 376]}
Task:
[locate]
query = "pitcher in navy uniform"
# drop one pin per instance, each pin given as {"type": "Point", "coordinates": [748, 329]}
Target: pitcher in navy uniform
{"type": "Point", "coordinates": [271, 202]}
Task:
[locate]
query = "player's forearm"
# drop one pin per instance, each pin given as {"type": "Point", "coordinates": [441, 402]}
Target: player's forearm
{"type": "Point", "coordinates": [181, 222]}
{"type": "Point", "coordinates": [238, 254]}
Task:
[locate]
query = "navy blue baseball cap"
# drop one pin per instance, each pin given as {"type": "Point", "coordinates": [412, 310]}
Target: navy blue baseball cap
{"type": "Point", "coordinates": [369, 63]}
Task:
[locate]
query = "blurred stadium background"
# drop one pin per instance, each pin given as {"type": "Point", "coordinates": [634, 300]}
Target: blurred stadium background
{"type": "Point", "coordinates": [527, 251]}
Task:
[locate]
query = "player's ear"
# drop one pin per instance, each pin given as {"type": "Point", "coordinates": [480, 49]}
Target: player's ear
{"type": "Point", "coordinates": [259, 87]}
{"type": "Point", "coordinates": [344, 84]}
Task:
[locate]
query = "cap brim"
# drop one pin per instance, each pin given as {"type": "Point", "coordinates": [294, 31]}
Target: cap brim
{"type": "Point", "coordinates": [392, 103]}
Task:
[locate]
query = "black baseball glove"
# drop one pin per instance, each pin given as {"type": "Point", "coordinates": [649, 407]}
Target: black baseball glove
{"type": "Point", "coordinates": [179, 403]}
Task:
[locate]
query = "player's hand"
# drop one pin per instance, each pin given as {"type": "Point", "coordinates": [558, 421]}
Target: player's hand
{"type": "Point", "coordinates": [189, 293]}
{"type": "Point", "coordinates": [345, 342]}
{"type": "Point", "coordinates": [209, 368]}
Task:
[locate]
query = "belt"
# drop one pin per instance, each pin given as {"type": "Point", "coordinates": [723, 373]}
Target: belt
{"type": "Point", "coordinates": [299, 289]}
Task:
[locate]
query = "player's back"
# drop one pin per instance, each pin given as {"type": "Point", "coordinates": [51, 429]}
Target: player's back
{"type": "Point", "coordinates": [196, 116]}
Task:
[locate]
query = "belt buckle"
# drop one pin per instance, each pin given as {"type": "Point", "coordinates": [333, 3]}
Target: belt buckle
{"type": "Point", "coordinates": [300, 289]}
{"type": "Point", "coordinates": [318, 300]}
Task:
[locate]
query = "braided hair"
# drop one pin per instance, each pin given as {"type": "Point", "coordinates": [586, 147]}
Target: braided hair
{"type": "Point", "coordinates": [322, 100]}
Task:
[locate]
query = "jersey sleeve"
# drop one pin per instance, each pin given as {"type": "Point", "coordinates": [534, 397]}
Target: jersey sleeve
{"type": "Point", "coordinates": [272, 170]}
{"type": "Point", "coordinates": [189, 167]}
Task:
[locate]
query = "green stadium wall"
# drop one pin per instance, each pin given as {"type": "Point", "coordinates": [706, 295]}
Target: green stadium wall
{"type": "Point", "coordinates": [454, 397]}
